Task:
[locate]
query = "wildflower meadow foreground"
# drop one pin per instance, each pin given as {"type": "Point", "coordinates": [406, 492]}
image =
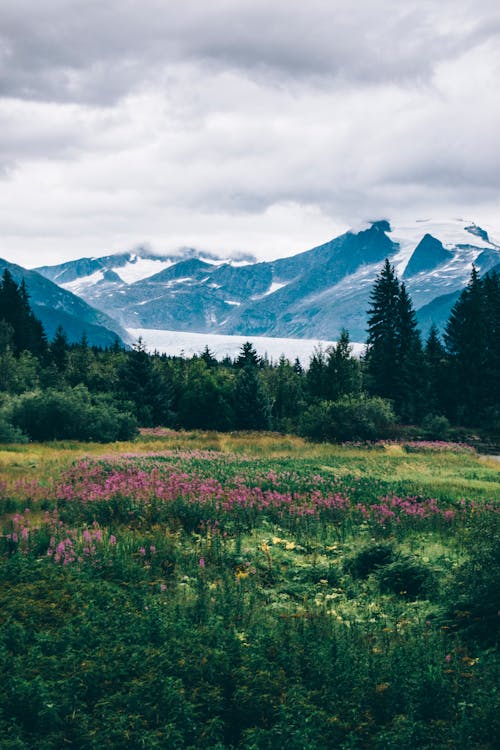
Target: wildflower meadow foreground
{"type": "Point", "coordinates": [194, 590]}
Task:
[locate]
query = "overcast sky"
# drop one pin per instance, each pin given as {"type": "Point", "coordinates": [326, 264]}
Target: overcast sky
{"type": "Point", "coordinates": [241, 125]}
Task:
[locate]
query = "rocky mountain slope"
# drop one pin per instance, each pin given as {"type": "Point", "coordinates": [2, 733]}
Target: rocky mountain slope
{"type": "Point", "coordinates": [309, 295]}
{"type": "Point", "coordinates": [56, 306]}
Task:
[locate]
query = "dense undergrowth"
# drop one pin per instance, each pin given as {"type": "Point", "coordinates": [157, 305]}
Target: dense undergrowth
{"type": "Point", "coordinates": [208, 591]}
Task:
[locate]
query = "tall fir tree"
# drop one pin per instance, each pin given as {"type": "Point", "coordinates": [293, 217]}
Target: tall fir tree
{"type": "Point", "coordinates": [252, 408]}
{"type": "Point", "coordinates": [15, 310]}
{"type": "Point", "coordinates": [382, 343]}
{"type": "Point", "coordinates": [394, 356]}
{"type": "Point", "coordinates": [465, 339]}
{"type": "Point", "coordinates": [436, 374]}
{"type": "Point", "coordinates": [409, 395]}
{"type": "Point", "coordinates": [343, 372]}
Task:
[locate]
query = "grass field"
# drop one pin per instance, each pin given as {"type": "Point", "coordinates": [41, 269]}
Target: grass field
{"type": "Point", "coordinates": [203, 590]}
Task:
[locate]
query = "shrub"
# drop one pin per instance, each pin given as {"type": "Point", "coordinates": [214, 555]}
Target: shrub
{"type": "Point", "coordinates": [349, 418]}
{"type": "Point", "coordinates": [406, 577]}
{"type": "Point", "coordinates": [436, 427]}
{"type": "Point", "coordinates": [9, 433]}
{"type": "Point", "coordinates": [71, 414]}
{"type": "Point", "coordinates": [473, 595]}
{"type": "Point", "coordinates": [369, 559]}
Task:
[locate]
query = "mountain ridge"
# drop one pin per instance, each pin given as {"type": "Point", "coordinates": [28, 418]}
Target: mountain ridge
{"type": "Point", "coordinates": [313, 293]}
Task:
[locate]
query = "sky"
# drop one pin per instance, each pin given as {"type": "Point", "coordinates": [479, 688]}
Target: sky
{"type": "Point", "coordinates": [241, 126]}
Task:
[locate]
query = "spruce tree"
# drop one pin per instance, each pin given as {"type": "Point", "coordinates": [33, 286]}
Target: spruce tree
{"type": "Point", "coordinates": [252, 408]}
{"type": "Point", "coordinates": [247, 357]}
{"type": "Point", "coordinates": [409, 376]}
{"type": "Point", "coordinates": [491, 372]}
{"type": "Point", "coordinates": [436, 374]}
{"type": "Point", "coordinates": [316, 375]}
{"type": "Point", "coordinates": [15, 310]}
{"type": "Point", "coordinates": [343, 372]}
{"type": "Point", "coordinates": [465, 339]}
{"type": "Point", "coordinates": [382, 343]}
{"type": "Point", "coordinates": [59, 349]}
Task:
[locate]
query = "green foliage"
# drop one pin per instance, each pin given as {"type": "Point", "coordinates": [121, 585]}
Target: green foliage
{"type": "Point", "coordinates": [70, 414]}
{"type": "Point", "coordinates": [368, 559]}
{"type": "Point", "coordinates": [9, 433]}
{"type": "Point", "coordinates": [406, 577]}
{"type": "Point", "coordinates": [473, 593]}
{"type": "Point", "coordinates": [436, 427]}
{"type": "Point", "coordinates": [349, 418]}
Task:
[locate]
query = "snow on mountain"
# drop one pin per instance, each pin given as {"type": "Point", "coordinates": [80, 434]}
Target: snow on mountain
{"type": "Point", "coordinates": [141, 268]}
{"type": "Point", "coordinates": [313, 293]}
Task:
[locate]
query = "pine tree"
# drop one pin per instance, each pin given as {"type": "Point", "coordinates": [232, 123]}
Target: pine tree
{"type": "Point", "coordinates": [382, 343]}
{"type": "Point", "coordinates": [409, 377]}
{"type": "Point", "coordinates": [15, 310]}
{"type": "Point", "coordinates": [394, 357]}
{"type": "Point", "coordinates": [436, 374]}
{"type": "Point", "coordinates": [465, 339]}
{"type": "Point", "coordinates": [252, 408]}
{"type": "Point", "coordinates": [145, 385]}
{"type": "Point", "coordinates": [316, 375]}
{"type": "Point", "coordinates": [491, 371]}
{"type": "Point", "coordinates": [59, 349]}
{"type": "Point", "coordinates": [247, 357]}
{"type": "Point", "coordinates": [343, 372]}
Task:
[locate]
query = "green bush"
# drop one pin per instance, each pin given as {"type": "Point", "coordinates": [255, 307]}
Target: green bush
{"type": "Point", "coordinates": [436, 427]}
{"type": "Point", "coordinates": [369, 559]}
{"type": "Point", "coordinates": [349, 418]}
{"type": "Point", "coordinates": [473, 595]}
{"type": "Point", "coordinates": [406, 577]}
{"type": "Point", "coordinates": [9, 433]}
{"type": "Point", "coordinates": [70, 414]}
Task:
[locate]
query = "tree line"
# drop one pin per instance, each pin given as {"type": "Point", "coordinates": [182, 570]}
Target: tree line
{"type": "Point", "coordinates": [57, 389]}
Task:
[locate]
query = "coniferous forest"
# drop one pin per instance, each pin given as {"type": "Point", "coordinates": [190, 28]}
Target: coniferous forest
{"type": "Point", "coordinates": [438, 387]}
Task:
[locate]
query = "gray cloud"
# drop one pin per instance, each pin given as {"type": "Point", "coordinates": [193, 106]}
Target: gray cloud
{"type": "Point", "coordinates": [96, 52]}
{"type": "Point", "coordinates": [249, 125]}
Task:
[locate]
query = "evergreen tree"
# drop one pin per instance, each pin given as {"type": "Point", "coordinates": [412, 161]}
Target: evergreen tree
{"type": "Point", "coordinates": [208, 357]}
{"type": "Point", "coordinates": [59, 349]}
{"type": "Point", "coordinates": [394, 357]}
{"type": "Point", "coordinates": [465, 339]}
{"type": "Point", "coordinates": [343, 371]}
{"type": "Point", "coordinates": [285, 387]}
{"type": "Point", "coordinates": [409, 384]}
{"type": "Point", "coordinates": [316, 375]}
{"type": "Point", "coordinates": [144, 384]}
{"type": "Point", "coordinates": [436, 373]}
{"type": "Point", "coordinates": [491, 371]}
{"type": "Point", "coordinates": [252, 410]}
{"type": "Point", "coordinates": [382, 342]}
{"type": "Point", "coordinates": [247, 357]}
{"type": "Point", "coordinates": [15, 310]}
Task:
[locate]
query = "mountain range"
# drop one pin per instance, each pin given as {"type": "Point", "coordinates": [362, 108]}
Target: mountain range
{"type": "Point", "coordinates": [312, 294]}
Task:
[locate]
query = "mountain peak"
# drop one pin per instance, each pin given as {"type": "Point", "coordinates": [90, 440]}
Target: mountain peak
{"type": "Point", "coordinates": [428, 254]}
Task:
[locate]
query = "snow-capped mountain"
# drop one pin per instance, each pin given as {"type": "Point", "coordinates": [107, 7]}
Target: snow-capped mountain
{"type": "Point", "coordinates": [310, 295]}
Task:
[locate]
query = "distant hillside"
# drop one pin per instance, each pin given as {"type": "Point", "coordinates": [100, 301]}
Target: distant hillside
{"type": "Point", "coordinates": [56, 306]}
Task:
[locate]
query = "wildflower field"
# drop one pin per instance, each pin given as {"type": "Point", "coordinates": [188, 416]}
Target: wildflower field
{"type": "Point", "coordinates": [253, 592]}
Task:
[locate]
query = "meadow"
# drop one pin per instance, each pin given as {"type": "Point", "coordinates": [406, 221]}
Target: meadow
{"type": "Point", "coordinates": [248, 592]}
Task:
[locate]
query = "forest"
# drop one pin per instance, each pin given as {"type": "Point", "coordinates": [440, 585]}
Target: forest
{"type": "Point", "coordinates": [404, 385]}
